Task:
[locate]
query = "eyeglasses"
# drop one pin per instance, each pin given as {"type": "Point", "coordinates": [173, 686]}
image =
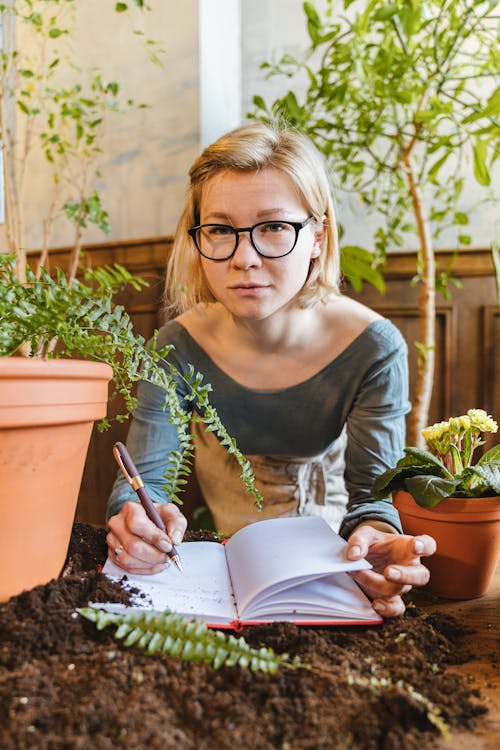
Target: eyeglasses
{"type": "Point", "coordinates": [271, 239]}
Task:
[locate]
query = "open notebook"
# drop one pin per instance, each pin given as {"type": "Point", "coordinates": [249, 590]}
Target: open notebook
{"type": "Point", "coordinates": [292, 569]}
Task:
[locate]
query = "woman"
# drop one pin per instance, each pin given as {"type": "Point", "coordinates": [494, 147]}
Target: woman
{"type": "Point", "coordinates": [312, 384]}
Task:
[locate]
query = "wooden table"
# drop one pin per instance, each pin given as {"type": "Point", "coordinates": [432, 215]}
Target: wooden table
{"type": "Point", "coordinates": [483, 615]}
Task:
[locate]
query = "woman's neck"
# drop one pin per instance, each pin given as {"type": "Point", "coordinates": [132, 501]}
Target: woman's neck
{"type": "Point", "coordinates": [278, 333]}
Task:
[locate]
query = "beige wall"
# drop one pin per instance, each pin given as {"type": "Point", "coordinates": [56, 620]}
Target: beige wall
{"type": "Point", "coordinates": [146, 153]}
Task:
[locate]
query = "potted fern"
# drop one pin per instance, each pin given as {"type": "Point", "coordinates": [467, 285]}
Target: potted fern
{"type": "Point", "coordinates": [62, 337]}
{"type": "Point", "coordinates": [442, 492]}
{"type": "Point", "coordinates": [51, 111]}
{"type": "Point", "coordinates": [48, 403]}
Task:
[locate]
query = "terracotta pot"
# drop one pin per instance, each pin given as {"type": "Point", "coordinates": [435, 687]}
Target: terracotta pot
{"type": "Point", "coordinates": [467, 533]}
{"type": "Point", "coordinates": [47, 409]}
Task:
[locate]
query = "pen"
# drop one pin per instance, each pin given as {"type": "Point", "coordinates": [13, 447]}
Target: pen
{"type": "Point", "coordinates": [132, 476]}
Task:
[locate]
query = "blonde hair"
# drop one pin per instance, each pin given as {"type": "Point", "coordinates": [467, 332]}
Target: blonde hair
{"type": "Point", "coordinates": [248, 149]}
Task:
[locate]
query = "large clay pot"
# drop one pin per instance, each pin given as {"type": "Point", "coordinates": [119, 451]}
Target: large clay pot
{"type": "Point", "coordinates": [47, 409]}
{"type": "Point", "coordinates": [467, 533]}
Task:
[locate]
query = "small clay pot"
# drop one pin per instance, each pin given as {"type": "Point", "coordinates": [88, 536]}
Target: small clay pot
{"type": "Point", "coordinates": [467, 534]}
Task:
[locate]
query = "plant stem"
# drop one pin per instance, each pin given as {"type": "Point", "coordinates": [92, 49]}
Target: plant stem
{"type": "Point", "coordinates": [427, 311]}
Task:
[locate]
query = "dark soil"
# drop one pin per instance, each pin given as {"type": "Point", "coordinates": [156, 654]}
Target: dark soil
{"type": "Point", "coordinates": [63, 684]}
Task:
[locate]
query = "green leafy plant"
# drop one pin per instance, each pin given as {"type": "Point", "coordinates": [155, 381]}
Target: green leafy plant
{"type": "Point", "coordinates": [61, 110]}
{"type": "Point", "coordinates": [190, 640]}
{"type": "Point", "coordinates": [400, 96]}
{"type": "Point", "coordinates": [82, 318]}
{"type": "Point", "coordinates": [446, 468]}
{"type": "Point", "coordinates": [53, 110]}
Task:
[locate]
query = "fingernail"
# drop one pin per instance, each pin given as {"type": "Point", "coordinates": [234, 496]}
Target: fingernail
{"type": "Point", "coordinates": [419, 546]}
{"type": "Point", "coordinates": [394, 574]}
{"type": "Point", "coordinates": [379, 607]}
{"type": "Point", "coordinates": [177, 537]}
{"type": "Point", "coordinates": [354, 551]}
{"type": "Point", "coordinates": [164, 545]}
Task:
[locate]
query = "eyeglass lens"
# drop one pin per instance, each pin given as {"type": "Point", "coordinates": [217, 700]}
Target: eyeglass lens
{"type": "Point", "coordinates": [272, 238]}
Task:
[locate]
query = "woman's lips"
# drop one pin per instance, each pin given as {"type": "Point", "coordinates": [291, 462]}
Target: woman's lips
{"type": "Point", "coordinates": [248, 289]}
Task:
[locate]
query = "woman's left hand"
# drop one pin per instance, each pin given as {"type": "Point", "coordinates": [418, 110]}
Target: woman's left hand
{"type": "Point", "coordinates": [396, 565]}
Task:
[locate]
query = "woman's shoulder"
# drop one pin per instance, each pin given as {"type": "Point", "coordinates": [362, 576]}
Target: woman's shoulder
{"type": "Point", "coordinates": [353, 314]}
{"type": "Point", "coordinates": [345, 320]}
{"type": "Point", "coordinates": [361, 326]}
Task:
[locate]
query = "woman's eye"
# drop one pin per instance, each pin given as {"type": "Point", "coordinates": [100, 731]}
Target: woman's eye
{"type": "Point", "coordinates": [274, 226]}
{"type": "Point", "coordinates": [219, 230]}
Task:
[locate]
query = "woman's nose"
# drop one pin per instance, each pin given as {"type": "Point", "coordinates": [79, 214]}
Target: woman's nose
{"type": "Point", "coordinates": [245, 256]}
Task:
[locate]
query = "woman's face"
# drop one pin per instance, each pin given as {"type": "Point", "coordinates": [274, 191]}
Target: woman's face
{"type": "Point", "coordinates": [249, 285]}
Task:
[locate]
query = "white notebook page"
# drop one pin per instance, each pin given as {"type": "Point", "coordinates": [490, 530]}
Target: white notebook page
{"type": "Point", "coordinates": [203, 587]}
{"type": "Point", "coordinates": [272, 555]}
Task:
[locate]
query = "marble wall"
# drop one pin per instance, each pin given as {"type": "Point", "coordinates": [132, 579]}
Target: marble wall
{"type": "Point", "coordinates": [146, 151]}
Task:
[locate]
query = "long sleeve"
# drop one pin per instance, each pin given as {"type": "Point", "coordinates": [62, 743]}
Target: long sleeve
{"type": "Point", "coordinates": [151, 440]}
{"type": "Point", "coordinates": [376, 436]}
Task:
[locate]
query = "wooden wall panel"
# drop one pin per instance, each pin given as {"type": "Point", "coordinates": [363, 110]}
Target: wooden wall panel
{"type": "Point", "coordinates": [467, 346]}
{"type": "Point", "coordinates": [490, 363]}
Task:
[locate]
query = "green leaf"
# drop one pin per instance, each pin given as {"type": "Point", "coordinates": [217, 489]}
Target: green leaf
{"type": "Point", "coordinates": [358, 265]}
{"type": "Point", "coordinates": [434, 170]}
{"type": "Point", "coordinates": [121, 7]}
{"type": "Point", "coordinates": [313, 23]}
{"type": "Point", "coordinates": [480, 153]}
{"type": "Point", "coordinates": [388, 482]}
{"type": "Point", "coordinates": [395, 479]}
{"type": "Point", "coordinates": [492, 455]}
{"type": "Point", "coordinates": [490, 472]}
{"type": "Point", "coordinates": [428, 491]}
{"type": "Point", "coordinates": [388, 11]}
{"type": "Point", "coordinates": [491, 108]}
{"type": "Point", "coordinates": [188, 640]}
{"type": "Point", "coordinates": [423, 457]}
{"type": "Point", "coordinates": [260, 103]}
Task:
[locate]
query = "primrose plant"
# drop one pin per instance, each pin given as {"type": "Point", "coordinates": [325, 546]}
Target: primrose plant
{"type": "Point", "coordinates": [446, 468]}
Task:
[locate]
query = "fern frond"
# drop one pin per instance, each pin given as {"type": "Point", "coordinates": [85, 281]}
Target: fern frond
{"type": "Point", "coordinates": [190, 640]}
{"type": "Point", "coordinates": [81, 316]}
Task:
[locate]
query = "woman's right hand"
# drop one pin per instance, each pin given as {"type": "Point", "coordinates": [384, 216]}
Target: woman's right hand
{"type": "Point", "coordinates": [137, 545]}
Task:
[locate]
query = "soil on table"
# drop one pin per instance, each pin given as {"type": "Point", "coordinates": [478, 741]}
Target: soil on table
{"type": "Point", "coordinates": [64, 684]}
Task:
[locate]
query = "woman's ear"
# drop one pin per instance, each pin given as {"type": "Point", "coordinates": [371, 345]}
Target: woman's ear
{"type": "Point", "coordinates": [319, 236]}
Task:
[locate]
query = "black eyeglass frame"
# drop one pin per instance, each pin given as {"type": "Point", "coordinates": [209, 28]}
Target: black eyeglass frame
{"type": "Point", "coordinates": [297, 225]}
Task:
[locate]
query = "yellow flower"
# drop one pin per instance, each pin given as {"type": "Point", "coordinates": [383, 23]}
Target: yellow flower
{"type": "Point", "coordinates": [455, 425]}
{"type": "Point", "coordinates": [480, 420]}
{"type": "Point", "coordinates": [435, 432]}
{"type": "Point", "coordinates": [464, 421]}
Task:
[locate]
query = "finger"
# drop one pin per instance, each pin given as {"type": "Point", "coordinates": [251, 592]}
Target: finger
{"type": "Point", "coordinates": [358, 543]}
{"type": "Point", "coordinates": [424, 545]}
{"type": "Point", "coordinates": [126, 560]}
{"type": "Point", "coordinates": [389, 607]}
{"type": "Point", "coordinates": [375, 585]}
{"type": "Point", "coordinates": [412, 575]}
{"type": "Point", "coordinates": [113, 547]}
{"type": "Point", "coordinates": [141, 538]}
{"type": "Point", "coordinates": [142, 532]}
{"type": "Point", "coordinates": [174, 520]}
